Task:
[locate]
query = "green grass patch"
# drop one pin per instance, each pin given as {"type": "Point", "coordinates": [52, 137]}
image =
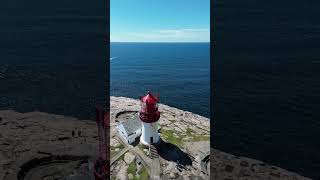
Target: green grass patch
{"type": "Point", "coordinates": [121, 157]}
{"type": "Point", "coordinates": [113, 149]}
{"type": "Point", "coordinates": [120, 146]}
{"type": "Point", "coordinates": [132, 168]}
{"type": "Point", "coordinates": [168, 135]}
{"type": "Point", "coordinates": [143, 174]}
{"type": "Point", "coordinates": [201, 138]}
{"type": "Point", "coordinates": [189, 132]}
{"type": "Point", "coordinates": [178, 140]}
{"type": "Point", "coordinates": [142, 147]}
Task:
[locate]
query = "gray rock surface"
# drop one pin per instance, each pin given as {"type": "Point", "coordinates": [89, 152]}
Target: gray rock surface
{"type": "Point", "coordinates": [122, 173]}
{"type": "Point", "coordinates": [129, 158]}
{"type": "Point", "coordinates": [227, 166]}
{"type": "Point", "coordinates": [26, 136]}
{"type": "Point", "coordinates": [36, 135]}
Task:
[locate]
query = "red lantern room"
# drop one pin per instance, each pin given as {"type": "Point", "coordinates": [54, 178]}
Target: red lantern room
{"type": "Point", "coordinates": [149, 108]}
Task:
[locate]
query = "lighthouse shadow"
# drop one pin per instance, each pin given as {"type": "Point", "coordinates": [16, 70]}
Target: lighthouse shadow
{"type": "Point", "coordinates": [171, 152]}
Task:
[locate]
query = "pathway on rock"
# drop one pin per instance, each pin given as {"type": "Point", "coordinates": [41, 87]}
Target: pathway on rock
{"type": "Point", "coordinates": [155, 169]}
{"type": "Point", "coordinates": [145, 160]}
{"type": "Point", "coordinates": [119, 154]}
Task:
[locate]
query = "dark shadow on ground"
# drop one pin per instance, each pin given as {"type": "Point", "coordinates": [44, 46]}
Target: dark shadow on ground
{"type": "Point", "coordinates": [171, 152]}
{"type": "Point", "coordinates": [136, 141]}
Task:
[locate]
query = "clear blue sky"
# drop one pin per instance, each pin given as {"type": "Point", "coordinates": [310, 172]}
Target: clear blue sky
{"type": "Point", "coordinates": [160, 20]}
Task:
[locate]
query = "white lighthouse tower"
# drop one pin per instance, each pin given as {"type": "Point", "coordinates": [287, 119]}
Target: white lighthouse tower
{"type": "Point", "coordinates": [149, 115]}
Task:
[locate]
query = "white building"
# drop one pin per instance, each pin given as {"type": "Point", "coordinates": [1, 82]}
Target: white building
{"type": "Point", "coordinates": [130, 129]}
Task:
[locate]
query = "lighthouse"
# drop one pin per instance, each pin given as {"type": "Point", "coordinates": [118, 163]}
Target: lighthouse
{"type": "Point", "coordinates": [149, 115]}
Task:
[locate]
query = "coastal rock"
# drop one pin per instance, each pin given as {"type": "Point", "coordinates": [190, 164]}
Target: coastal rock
{"type": "Point", "coordinates": [122, 174]}
{"type": "Point", "coordinates": [113, 142]}
{"type": "Point", "coordinates": [173, 175]}
{"type": "Point", "coordinates": [129, 158]}
{"type": "Point", "coordinates": [170, 167]}
{"type": "Point", "coordinates": [32, 135]}
{"type": "Point", "coordinates": [226, 166]}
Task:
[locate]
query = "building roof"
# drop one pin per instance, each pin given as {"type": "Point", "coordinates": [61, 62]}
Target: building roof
{"type": "Point", "coordinates": [132, 124]}
{"type": "Point", "coordinates": [149, 98]}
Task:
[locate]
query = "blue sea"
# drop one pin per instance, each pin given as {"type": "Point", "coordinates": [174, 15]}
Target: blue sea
{"type": "Point", "coordinates": [267, 82]}
{"type": "Point", "coordinates": [266, 102]}
{"type": "Point", "coordinates": [179, 72]}
{"type": "Point", "coordinates": [52, 56]}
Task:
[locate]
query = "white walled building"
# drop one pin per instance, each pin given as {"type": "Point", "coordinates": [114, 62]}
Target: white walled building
{"type": "Point", "coordinates": [130, 129]}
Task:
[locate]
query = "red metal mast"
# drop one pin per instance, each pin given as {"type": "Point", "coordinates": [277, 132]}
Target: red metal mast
{"type": "Point", "coordinates": [102, 164]}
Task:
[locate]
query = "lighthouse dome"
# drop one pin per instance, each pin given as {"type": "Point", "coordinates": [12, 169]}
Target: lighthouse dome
{"type": "Point", "coordinates": [149, 98]}
{"type": "Point", "coordinates": [149, 108]}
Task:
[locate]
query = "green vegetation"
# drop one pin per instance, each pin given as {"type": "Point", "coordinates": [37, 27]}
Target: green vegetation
{"type": "Point", "coordinates": [120, 146]}
{"type": "Point", "coordinates": [168, 135]}
{"type": "Point", "coordinates": [143, 174]}
{"type": "Point", "coordinates": [142, 147]}
{"type": "Point", "coordinates": [201, 138]}
{"type": "Point", "coordinates": [113, 149]}
{"type": "Point", "coordinates": [132, 168]}
{"type": "Point", "coordinates": [189, 132]}
{"type": "Point", "coordinates": [121, 157]}
{"type": "Point", "coordinates": [112, 178]}
{"type": "Point", "coordinates": [178, 139]}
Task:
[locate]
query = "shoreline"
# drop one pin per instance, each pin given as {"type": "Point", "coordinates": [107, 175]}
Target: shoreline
{"type": "Point", "coordinates": [180, 132]}
{"type": "Point", "coordinates": [25, 136]}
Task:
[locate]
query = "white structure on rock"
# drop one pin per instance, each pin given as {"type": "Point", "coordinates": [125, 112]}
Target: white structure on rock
{"type": "Point", "coordinates": [149, 115]}
{"type": "Point", "coordinates": [130, 130]}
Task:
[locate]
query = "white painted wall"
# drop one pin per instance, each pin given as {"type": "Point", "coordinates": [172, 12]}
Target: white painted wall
{"type": "Point", "coordinates": [122, 132]}
{"type": "Point", "coordinates": [149, 130]}
{"type": "Point", "coordinates": [131, 138]}
{"type": "Point", "coordinates": [138, 132]}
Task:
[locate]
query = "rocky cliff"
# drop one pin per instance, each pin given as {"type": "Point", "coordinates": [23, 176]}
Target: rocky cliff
{"type": "Point", "coordinates": [38, 145]}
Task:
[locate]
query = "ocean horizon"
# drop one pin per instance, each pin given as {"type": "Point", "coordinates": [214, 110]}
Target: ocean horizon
{"type": "Point", "coordinates": [52, 57]}
{"type": "Point", "coordinates": [179, 72]}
